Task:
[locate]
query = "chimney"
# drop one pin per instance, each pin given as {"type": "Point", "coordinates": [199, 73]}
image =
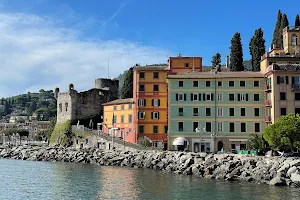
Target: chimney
{"type": "Point", "coordinates": [179, 55]}
{"type": "Point", "coordinates": [273, 46]}
{"type": "Point", "coordinates": [227, 61]}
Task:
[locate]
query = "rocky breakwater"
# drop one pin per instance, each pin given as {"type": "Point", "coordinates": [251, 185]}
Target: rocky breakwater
{"type": "Point", "coordinates": [274, 171]}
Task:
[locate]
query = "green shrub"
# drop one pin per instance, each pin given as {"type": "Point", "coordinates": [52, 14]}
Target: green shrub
{"type": "Point", "coordinates": [145, 142]}
{"type": "Point", "coordinates": [21, 132]}
{"type": "Point", "coordinates": [58, 135]}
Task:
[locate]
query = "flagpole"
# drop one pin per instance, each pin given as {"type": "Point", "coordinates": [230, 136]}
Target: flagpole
{"type": "Point", "coordinates": [113, 131]}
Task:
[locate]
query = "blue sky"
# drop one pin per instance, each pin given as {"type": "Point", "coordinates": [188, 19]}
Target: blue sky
{"type": "Point", "coordinates": [50, 43]}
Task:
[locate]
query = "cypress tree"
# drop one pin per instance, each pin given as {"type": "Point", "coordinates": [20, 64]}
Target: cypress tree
{"type": "Point", "coordinates": [236, 53]}
{"type": "Point", "coordinates": [216, 60]}
{"type": "Point", "coordinates": [297, 21]}
{"type": "Point", "coordinates": [257, 48]}
{"type": "Point", "coordinates": [127, 89]}
{"type": "Point", "coordinates": [284, 23]}
{"type": "Point", "coordinates": [276, 33]}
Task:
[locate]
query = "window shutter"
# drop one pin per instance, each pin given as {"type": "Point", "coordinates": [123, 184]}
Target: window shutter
{"type": "Point", "coordinates": [199, 97]}
{"type": "Point", "coordinates": [158, 115]}
{"type": "Point", "coordinates": [144, 102]}
{"type": "Point", "coordinates": [151, 115]}
{"type": "Point", "coordinates": [278, 79]}
{"type": "Point", "coordinates": [239, 97]}
{"type": "Point", "coordinates": [212, 96]}
{"type": "Point", "coordinates": [247, 97]}
{"type": "Point", "coordinates": [192, 97]}
{"type": "Point", "coordinates": [176, 97]}
{"type": "Point", "coordinates": [286, 80]}
{"type": "Point", "coordinates": [158, 102]}
{"type": "Point", "coordinates": [152, 102]}
{"type": "Point", "coordinates": [293, 80]}
{"type": "Point", "coordinates": [203, 96]}
{"type": "Point", "coordinates": [184, 97]}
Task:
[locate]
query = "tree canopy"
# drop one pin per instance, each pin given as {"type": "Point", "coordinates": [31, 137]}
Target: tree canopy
{"type": "Point", "coordinates": [236, 53]}
{"type": "Point", "coordinates": [127, 89]}
{"type": "Point", "coordinates": [284, 133]}
{"type": "Point", "coordinates": [216, 60]}
{"type": "Point", "coordinates": [257, 48]}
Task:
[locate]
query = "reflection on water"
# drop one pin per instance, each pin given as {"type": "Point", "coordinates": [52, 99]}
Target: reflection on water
{"type": "Point", "coordinates": [65, 181]}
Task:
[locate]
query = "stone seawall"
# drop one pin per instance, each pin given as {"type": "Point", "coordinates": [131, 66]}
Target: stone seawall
{"type": "Point", "coordinates": [273, 170]}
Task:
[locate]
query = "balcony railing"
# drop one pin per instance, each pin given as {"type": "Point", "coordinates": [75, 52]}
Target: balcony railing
{"type": "Point", "coordinates": [295, 86]}
{"type": "Point", "coordinates": [268, 88]}
{"type": "Point", "coordinates": [268, 119]}
{"type": "Point", "coordinates": [289, 67]}
{"type": "Point", "coordinates": [267, 103]}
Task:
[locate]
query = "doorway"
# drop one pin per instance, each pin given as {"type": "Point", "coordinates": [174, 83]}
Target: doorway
{"type": "Point", "coordinates": [220, 146]}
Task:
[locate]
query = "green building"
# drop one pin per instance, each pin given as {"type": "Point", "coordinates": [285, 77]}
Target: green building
{"type": "Point", "coordinates": [214, 111]}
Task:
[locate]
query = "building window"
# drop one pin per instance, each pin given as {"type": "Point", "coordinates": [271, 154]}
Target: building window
{"type": "Point", "coordinates": [256, 112]}
{"type": "Point", "coordinates": [231, 127]}
{"type": "Point", "coordinates": [180, 126]}
{"type": "Point", "coordinates": [142, 75]}
{"type": "Point", "coordinates": [155, 129]}
{"type": "Point", "coordinates": [66, 105]}
{"type": "Point", "coordinates": [294, 39]}
{"type": "Point", "coordinates": [219, 83]}
{"type": "Point", "coordinates": [141, 115]}
{"type": "Point", "coordinates": [220, 112]}
{"type": "Point", "coordinates": [180, 83]}
{"type": "Point", "coordinates": [60, 107]}
{"type": "Point", "coordinates": [208, 112]}
{"type": "Point", "coordinates": [180, 97]}
{"type": "Point", "coordinates": [208, 126]}
{"type": "Point", "coordinates": [129, 118]}
{"type": "Point", "coordinates": [231, 83]}
{"type": "Point", "coordinates": [208, 97]}
{"type": "Point", "coordinates": [130, 106]}
{"type": "Point", "coordinates": [180, 111]}
{"type": "Point", "coordinates": [155, 102]}
{"type": "Point", "coordinates": [195, 112]}
{"type": "Point", "coordinates": [242, 83]}
{"type": "Point", "coordinates": [195, 126]}
{"type": "Point", "coordinates": [231, 112]}
{"type": "Point", "coordinates": [114, 119]}
{"type": "Point", "coordinates": [186, 65]}
{"type": "Point", "coordinates": [142, 102]}
{"type": "Point", "coordinates": [282, 111]}
{"type": "Point", "coordinates": [231, 97]}
{"type": "Point", "coordinates": [297, 110]}
{"type": "Point", "coordinates": [122, 119]}
{"type": "Point", "coordinates": [220, 127]}
{"type": "Point", "coordinates": [142, 88]}
{"type": "Point", "coordinates": [207, 83]}
{"type": "Point", "coordinates": [256, 97]}
{"type": "Point", "coordinates": [220, 97]}
{"type": "Point", "coordinates": [166, 129]}
{"type": "Point", "coordinates": [280, 79]}
{"type": "Point", "coordinates": [282, 96]}
{"type": "Point", "coordinates": [155, 115]}
{"type": "Point", "coordinates": [155, 75]}
{"type": "Point", "coordinates": [122, 107]}
{"type": "Point", "coordinates": [155, 88]}
{"type": "Point", "coordinates": [243, 112]}
{"type": "Point", "coordinates": [297, 96]}
{"type": "Point", "coordinates": [256, 84]}
{"type": "Point", "coordinates": [115, 107]}
{"type": "Point", "coordinates": [141, 129]}
{"type": "Point", "coordinates": [257, 127]}
{"type": "Point", "coordinates": [194, 97]}
{"type": "Point", "coordinates": [195, 83]}
{"type": "Point", "coordinates": [243, 97]}
{"type": "Point", "coordinates": [243, 127]}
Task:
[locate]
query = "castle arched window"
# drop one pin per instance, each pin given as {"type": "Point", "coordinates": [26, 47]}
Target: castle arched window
{"type": "Point", "coordinates": [66, 104]}
{"type": "Point", "coordinates": [294, 39]}
{"type": "Point", "coordinates": [60, 107]}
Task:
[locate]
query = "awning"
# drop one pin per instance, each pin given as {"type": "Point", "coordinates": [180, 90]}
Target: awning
{"type": "Point", "coordinates": [180, 141]}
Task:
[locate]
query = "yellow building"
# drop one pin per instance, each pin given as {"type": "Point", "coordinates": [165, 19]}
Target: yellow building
{"type": "Point", "coordinates": [282, 72]}
{"type": "Point", "coordinates": [121, 113]}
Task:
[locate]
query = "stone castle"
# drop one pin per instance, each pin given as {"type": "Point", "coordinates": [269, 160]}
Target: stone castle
{"type": "Point", "coordinates": [85, 106]}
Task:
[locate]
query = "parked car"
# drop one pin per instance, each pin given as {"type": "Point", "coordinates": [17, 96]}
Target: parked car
{"type": "Point", "coordinates": [294, 154]}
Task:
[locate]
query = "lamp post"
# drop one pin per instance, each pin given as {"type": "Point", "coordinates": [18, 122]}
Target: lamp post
{"type": "Point", "coordinates": [200, 131]}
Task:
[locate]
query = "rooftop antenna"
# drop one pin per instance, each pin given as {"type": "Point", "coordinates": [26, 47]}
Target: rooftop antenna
{"type": "Point", "coordinates": [108, 68]}
{"type": "Point", "coordinates": [193, 64]}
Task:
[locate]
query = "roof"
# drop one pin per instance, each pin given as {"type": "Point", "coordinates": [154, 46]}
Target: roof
{"type": "Point", "coordinates": [150, 68]}
{"type": "Point", "coordinates": [243, 74]}
{"type": "Point", "coordinates": [119, 101]}
{"type": "Point", "coordinates": [209, 68]}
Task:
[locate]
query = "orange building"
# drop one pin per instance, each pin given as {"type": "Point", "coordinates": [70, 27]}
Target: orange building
{"type": "Point", "coordinates": [179, 64]}
{"type": "Point", "coordinates": [121, 111]}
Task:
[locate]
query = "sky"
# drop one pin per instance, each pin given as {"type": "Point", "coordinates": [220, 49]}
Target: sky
{"type": "Point", "coordinates": [46, 44]}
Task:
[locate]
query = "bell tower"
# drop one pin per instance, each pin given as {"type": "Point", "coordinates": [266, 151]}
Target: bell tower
{"type": "Point", "coordinates": [291, 40]}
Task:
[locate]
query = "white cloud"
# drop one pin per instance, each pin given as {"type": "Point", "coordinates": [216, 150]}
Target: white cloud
{"type": "Point", "coordinates": [36, 53]}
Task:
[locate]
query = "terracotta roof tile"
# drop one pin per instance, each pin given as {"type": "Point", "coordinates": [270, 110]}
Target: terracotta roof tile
{"type": "Point", "coordinates": [119, 101]}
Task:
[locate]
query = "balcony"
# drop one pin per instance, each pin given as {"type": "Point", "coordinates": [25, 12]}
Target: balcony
{"type": "Point", "coordinates": [268, 88]}
{"type": "Point", "coordinates": [295, 87]}
{"type": "Point", "coordinates": [268, 119]}
{"type": "Point", "coordinates": [288, 67]}
{"type": "Point", "coordinates": [268, 103]}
